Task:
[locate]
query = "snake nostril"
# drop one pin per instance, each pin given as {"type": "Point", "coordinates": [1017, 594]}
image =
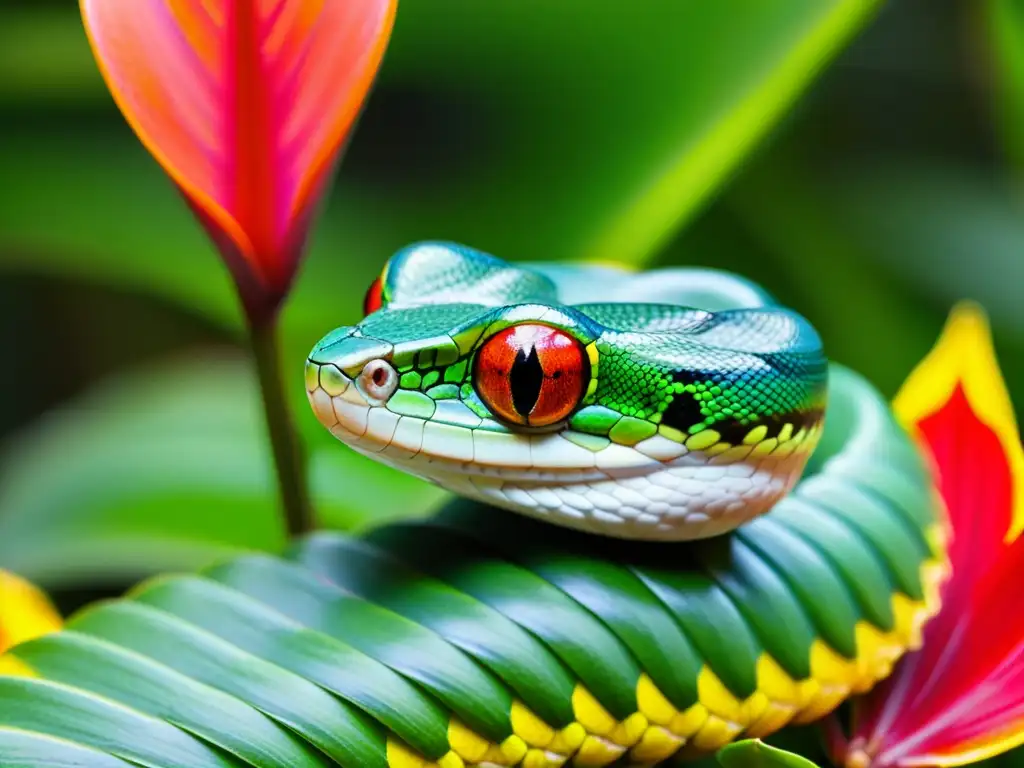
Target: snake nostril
{"type": "Point", "coordinates": [378, 381]}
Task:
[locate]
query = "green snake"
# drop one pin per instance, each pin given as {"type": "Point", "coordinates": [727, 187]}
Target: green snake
{"type": "Point", "coordinates": [638, 420]}
{"type": "Point", "coordinates": [682, 543]}
{"type": "Point", "coordinates": [671, 405]}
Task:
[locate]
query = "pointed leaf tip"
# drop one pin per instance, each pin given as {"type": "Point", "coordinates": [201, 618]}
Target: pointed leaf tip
{"type": "Point", "coordinates": [245, 104]}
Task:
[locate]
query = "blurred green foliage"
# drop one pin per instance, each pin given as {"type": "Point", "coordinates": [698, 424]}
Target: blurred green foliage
{"type": "Point", "coordinates": [683, 133]}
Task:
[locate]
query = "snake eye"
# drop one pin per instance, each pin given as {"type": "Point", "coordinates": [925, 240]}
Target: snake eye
{"type": "Point", "coordinates": [533, 375]}
{"type": "Point", "coordinates": [374, 297]}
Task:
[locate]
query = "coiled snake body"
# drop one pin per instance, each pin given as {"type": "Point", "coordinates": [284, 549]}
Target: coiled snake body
{"type": "Point", "coordinates": [675, 407]}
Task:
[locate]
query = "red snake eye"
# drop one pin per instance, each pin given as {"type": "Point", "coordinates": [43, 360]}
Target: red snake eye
{"type": "Point", "coordinates": [374, 297]}
{"type": "Point", "coordinates": [533, 375]}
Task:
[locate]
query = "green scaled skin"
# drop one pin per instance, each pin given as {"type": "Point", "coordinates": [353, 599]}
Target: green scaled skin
{"type": "Point", "coordinates": [486, 637]}
{"type": "Point", "coordinates": [651, 420]}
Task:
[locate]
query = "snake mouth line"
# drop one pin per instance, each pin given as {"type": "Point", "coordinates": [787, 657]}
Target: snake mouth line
{"type": "Point", "coordinates": [654, 489]}
{"type": "Point", "coordinates": [454, 439]}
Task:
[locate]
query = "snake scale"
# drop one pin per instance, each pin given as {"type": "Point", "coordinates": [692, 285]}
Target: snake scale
{"type": "Point", "coordinates": [694, 529]}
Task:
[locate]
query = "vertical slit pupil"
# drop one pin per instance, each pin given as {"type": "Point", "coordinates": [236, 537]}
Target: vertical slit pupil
{"type": "Point", "coordinates": [525, 380]}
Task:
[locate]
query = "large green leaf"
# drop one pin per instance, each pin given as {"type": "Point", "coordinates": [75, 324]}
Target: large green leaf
{"type": "Point", "coordinates": [88, 720]}
{"type": "Point", "coordinates": [624, 118]}
{"type": "Point", "coordinates": [122, 482]}
{"type": "Point", "coordinates": [24, 749]}
{"type": "Point", "coordinates": [535, 131]}
{"type": "Point", "coordinates": [116, 674]}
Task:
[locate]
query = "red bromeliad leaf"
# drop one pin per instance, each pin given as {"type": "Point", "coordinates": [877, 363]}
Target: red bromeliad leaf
{"type": "Point", "coordinates": [961, 697]}
{"type": "Point", "coordinates": [25, 613]}
{"type": "Point", "coordinates": [245, 104]}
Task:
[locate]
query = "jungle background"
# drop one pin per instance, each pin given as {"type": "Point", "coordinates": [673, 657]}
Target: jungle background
{"type": "Point", "coordinates": [129, 420]}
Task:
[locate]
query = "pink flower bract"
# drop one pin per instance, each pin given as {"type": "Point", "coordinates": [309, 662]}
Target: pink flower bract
{"type": "Point", "coordinates": [245, 104]}
{"type": "Point", "coordinates": [960, 698]}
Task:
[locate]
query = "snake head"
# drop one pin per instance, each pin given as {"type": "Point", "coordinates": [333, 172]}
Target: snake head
{"type": "Point", "coordinates": [658, 421]}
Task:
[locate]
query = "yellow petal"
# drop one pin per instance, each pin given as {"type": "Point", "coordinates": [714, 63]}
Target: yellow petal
{"type": "Point", "coordinates": [25, 612]}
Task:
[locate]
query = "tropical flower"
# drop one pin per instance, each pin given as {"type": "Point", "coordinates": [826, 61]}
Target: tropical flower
{"type": "Point", "coordinates": [960, 698]}
{"type": "Point", "coordinates": [25, 613]}
{"type": "Point", "coordinates": [245, 104]}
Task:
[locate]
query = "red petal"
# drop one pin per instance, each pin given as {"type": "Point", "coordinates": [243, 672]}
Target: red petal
{"type": "Point", "coordinates": [964, 358]}
{"type": "Point", "coordinates": [962, 695]}
{"type": "Point", "coordinates": [245, 103]}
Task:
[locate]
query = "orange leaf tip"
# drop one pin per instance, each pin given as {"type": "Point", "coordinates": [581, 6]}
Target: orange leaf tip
{"type": "Point", "coordinates": [246, 105]}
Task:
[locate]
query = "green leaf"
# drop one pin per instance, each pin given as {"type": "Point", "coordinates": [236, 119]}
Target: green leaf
{"type": "Point", "coordinates": [441, 670]}
{"type": "Point", "coordinates": [594, 654]}
{"type": "Point", "coordinates": [169, 468]}
{"type": "Point", "coordinates": [754, 753]}
{"type": "Point", "coordinates": [113, 673]}
{"type": "Point", "coordinates": [334, 665]}
{"type": "Point", "coordinates": [83, 718]}
{"type": "Point", "coordinates": [514, 655]}
{"type": "Point", "coordinates": [1004, 23]}
{"type": "Point", "coordinates": [32, 750]}
{"type": "Point", "coordinates": [340, 730]}
{"type": "Point", "coordinates": [600, 585]}
{"type": "Point", "coordinates": [625, 119]}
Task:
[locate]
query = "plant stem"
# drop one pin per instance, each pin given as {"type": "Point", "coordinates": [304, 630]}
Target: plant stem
{"type": "Point", "coordinates": [288, 454]}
